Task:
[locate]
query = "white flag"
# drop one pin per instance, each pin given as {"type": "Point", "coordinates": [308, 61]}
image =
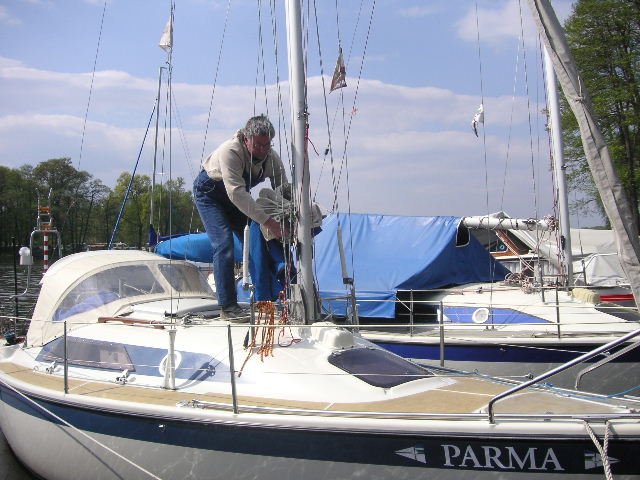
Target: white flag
{"type": "Point", "coordinates": [166, 41]}
{"type": "Point", "coordinates": [477, 118]}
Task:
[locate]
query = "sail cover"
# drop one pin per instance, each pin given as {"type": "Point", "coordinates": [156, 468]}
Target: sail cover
{"type": "Point", "coordinates": [388, 253]}
{"type": "Point", "coordinates": [195, 247]}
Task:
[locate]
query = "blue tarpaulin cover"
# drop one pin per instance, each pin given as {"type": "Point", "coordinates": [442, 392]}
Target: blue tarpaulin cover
{"type": "Point", "coordinates": [195, 247]}
{"type": "Point", "coordinates": [387, 253]}
{"type": "Point", "coordinates": [384, 253]}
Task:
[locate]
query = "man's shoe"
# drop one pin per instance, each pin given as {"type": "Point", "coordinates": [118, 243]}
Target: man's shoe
{"type": "Point", "coordinates": [234, 314]}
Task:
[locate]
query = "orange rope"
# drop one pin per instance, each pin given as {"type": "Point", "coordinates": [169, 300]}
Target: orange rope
{"type": "Point", "coordinates": [265, 329]}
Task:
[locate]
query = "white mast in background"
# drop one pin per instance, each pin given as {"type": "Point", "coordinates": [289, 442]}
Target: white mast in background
{"type": "Point", "coordinates": [558, 166]}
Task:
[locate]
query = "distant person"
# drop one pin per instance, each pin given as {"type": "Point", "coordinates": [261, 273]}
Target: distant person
{"type": "Point", "coordinates": [221, 192]}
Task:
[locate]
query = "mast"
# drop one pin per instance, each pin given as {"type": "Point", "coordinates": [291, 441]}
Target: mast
{"type": "Point", "coordinates": [300, 173]}
{"type": "Point", "coordinates": [559, 167]}
{"type": "Point", "coordinates": [153, 237]}
{"type": "Point", "coordinates": [614, 199]}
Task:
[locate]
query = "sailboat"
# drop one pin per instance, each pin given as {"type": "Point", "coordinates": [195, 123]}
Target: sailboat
{"type": "Point", "coordinates": [128, 372]}
{"type": "Point", "coordinates": [511, 325]}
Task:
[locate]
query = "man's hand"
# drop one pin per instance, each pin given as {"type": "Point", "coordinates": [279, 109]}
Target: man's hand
{"type": "Point", "coordinates": [277, 230]}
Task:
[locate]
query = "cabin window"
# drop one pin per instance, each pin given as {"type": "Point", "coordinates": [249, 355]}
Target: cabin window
{"type": "Point", "coordinates": [87, 353]}
{"type": "Point", "coordinates": [377, 367]}
{"type": "Point", "coordinates": [105, 287]}
{"type": "Point", "coordinates": [185, 278]}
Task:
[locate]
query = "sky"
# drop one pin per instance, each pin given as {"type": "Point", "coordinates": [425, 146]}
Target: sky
{"type": "Point", "coordinates": [79, 79]}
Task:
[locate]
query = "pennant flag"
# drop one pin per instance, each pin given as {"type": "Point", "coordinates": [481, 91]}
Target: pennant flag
{"type": "Point", "coordinates": [339, 74]}
{"type": "Point", "coordinates": [477, 118]}
{"type": "Point", "coordinates": [166, 41]}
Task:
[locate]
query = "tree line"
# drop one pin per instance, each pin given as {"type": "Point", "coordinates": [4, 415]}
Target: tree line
{"type": "Point", "coordinates": [604, 37]}
{"type": "Point", "coordinates": [85, 211]}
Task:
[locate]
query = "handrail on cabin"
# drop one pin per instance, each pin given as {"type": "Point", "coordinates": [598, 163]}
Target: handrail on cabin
{"type": "Point", "coordinates": [559, 369]}
{"type": "Point", "coordinates": [130, 321]}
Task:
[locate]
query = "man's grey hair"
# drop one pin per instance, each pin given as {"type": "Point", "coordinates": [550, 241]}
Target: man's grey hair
{"type": "Point", "coordinates": [259, 126]}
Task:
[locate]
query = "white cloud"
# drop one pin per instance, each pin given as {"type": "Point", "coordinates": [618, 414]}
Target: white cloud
{"type": "Point", "coordinates": [508, 19]}
{"type": "Point", "coordinates": [6, 18]}
{"type": "Point", "coordinates": [410, 150]}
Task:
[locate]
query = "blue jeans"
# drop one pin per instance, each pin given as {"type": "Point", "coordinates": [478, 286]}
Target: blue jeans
{"type": "Point", "coordinates": [266, 265]}
{"type": "Point", "coordinates": [221, 218]}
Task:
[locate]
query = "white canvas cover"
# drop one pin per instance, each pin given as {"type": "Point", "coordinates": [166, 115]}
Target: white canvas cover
{"type": "Point", "coordinates": [80, 288]}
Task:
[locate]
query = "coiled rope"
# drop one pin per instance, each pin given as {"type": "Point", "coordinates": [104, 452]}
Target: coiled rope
{"type": "Point", "coordinates": [265, 331]}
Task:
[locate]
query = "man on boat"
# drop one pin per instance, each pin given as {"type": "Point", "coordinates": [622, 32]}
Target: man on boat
{"type": "Point", "coordinates": [221, 192]}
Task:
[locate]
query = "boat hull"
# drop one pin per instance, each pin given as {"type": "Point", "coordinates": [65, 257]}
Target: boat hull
{"type": "Point", "coordinates": [528, 359]}
{"type": "Point", "coordinates": [167, 446]}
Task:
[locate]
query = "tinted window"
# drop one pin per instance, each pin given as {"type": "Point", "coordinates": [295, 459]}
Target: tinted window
{"type": "Point", "coordinates": [185, 278]}
{"type": "Point", "coordinates": [87, 353]}
{"type": "Point", "coordinates": [107, 286]}
{"type": "Point", "coordinates": [377, 367]}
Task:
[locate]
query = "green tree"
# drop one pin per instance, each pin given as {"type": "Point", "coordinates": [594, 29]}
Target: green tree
{"type": "Point", "coordinates": [94, 229]}
{"type": "Point", "coordinates": [174, 210]}
{"type": "Point", "coordinates": [174, 199]}
{"type": "Point", "coordinates": [134, 223]}
{"type": "Point", "coordinates": [85, 211]}
{"type": "Point", "coordinates": [604, 36]}
{"type": "Point", "coordinates": [17, 205]}
{"type": "Point", "coordinates": [66, 190]}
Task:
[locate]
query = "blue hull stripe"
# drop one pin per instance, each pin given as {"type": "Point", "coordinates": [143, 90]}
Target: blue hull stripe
{"type": "Point", "coordinates": [499, 353]}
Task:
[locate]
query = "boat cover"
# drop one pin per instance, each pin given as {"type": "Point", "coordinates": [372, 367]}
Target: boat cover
{"type": "Point", "coordinates": [384, 253]}
{"type": "Point", "coordinates": [195, 247]}
{"type": "Point", "coordinates": [388, 253]}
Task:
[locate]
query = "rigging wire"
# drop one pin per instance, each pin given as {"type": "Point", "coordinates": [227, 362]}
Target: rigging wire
{"type": "Point", "coordinates": [326, 108]}
{"type": "Point", "coordinates": [326, 115]}
{"type": "Point", "coordinates": [76, 194]}
{"type": "Point", "coordinates": [492, 263]}
{"type": "Point", "coordinates": [484, 140]}
{"type": "Point", "coordinates": [152, 231]}
{"type": "Point", "coordinates": [215, 79]}
{"type": "Point", "coordinates": [93, 75]}
{"type": "Point", "coordinates": [131, 180]}
{"type": "Point", "coordinates": [282, 132]}
{"type": "Point", "coordinates": [260, 66]}
{"type": "Point", "coordinates": [355, 99]}
{"type": "Point", "coordinates": [329, 151]}
{"type": "Point", "coordinates": [513, 101]}
{"type": "Point", "coordinates": [533, 170]}
{"type": "Point", "coordinates": [340, 104]}
{"type": "Point", "coordinates": [187, 153]}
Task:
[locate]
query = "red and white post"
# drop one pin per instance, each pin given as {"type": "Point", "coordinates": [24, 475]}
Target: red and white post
{"type": "Point", "coordinates": [45, 252]}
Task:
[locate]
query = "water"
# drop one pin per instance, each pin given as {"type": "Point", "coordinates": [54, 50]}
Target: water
{"type": "Point", "coordinates": [7, 289]}
{"type": "Point", "coordinates": [10, 467]}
